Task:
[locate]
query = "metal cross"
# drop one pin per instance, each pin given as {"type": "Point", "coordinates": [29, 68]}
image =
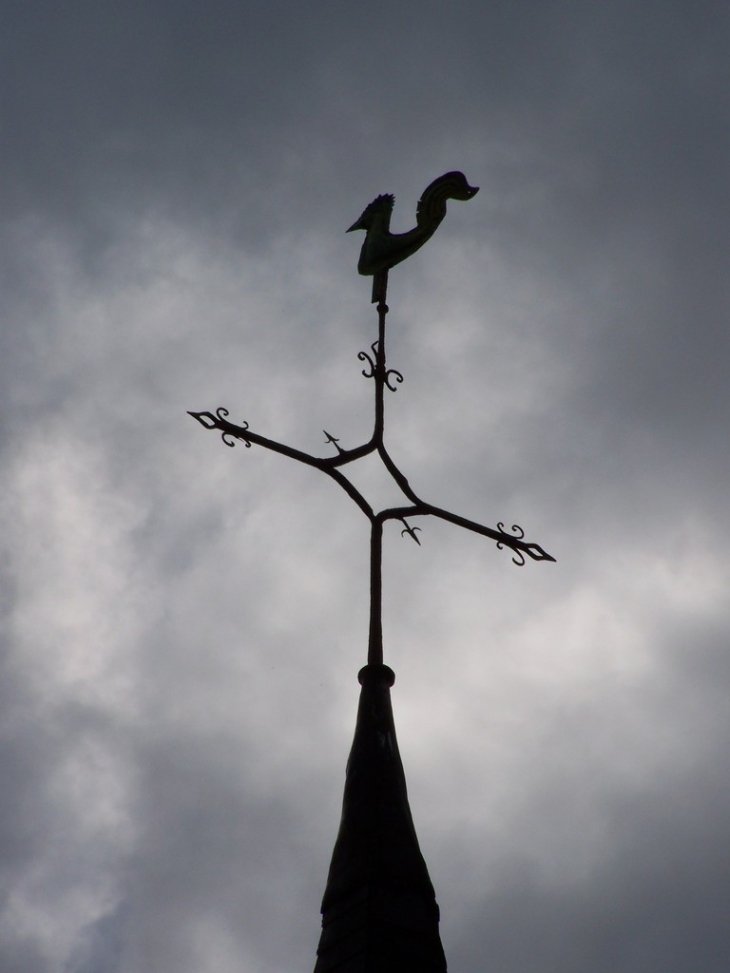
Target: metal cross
{"type": "Point", "coordinates": [381, 251]}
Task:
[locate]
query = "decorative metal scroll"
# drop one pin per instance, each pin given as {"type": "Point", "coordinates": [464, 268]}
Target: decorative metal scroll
{"type": "Point", "coordinates": [445, 187]}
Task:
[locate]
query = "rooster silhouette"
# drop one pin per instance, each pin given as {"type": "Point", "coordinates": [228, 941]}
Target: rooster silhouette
{"type": "Point", "coordinates": [383, 249]}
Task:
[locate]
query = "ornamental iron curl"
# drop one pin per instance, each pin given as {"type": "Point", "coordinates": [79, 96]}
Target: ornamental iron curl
{"type": "Point", "coordinates": [229, 432]}
{"type": "Point", "coordinates": [363, 356]}
{"type": "Point", "coordinates": [519, 533]}
{"type": "Point", "coordinates": [410, 531]}
{"type": "Point", "coordinates": [396, 375]}
{"type": "Point", "coordinates": [381, 251]}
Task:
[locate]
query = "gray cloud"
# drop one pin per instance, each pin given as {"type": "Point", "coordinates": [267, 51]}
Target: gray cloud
{"type": "Point", "coordinates": [182, 623]}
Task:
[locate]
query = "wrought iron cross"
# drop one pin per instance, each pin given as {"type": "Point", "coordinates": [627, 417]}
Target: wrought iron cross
{"type": "Point", "coordinates": [381, 251]}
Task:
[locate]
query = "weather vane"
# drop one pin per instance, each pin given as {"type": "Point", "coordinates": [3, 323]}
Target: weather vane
{"type": "Point", "coordinates": [381, 251]}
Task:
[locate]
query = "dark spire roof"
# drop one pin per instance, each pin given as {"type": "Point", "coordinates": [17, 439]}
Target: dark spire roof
{"type": "Point", "coordinates": [379, 911]}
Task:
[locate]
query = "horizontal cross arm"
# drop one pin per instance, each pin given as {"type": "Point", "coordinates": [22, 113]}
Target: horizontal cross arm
{"type": "Point", "coordinates": [230, 432]}
{"type": "Point", "coordinates": [514, 541]}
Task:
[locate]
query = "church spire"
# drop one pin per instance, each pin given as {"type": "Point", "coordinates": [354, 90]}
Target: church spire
{"type": "Point", "coordinates": [379, 911]}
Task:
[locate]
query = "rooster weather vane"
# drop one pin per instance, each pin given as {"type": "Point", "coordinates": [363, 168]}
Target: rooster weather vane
{"type": "Point", "coordinates": [381, 251]}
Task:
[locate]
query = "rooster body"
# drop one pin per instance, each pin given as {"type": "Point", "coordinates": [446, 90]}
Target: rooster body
{"type": "Point", "coordinates": [383, 249]}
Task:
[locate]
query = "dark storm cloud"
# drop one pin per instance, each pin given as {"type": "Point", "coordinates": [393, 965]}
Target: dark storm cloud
{"type": "Point", "coordinates": [183, 621]}
{"type": "Point", "coordinates": [114, 101]}
{"type": "Point", "coordinates": [658, 900]}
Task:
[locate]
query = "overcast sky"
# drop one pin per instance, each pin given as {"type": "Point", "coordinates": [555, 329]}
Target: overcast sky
{"type": "Point", "coordinates": [183, 623]}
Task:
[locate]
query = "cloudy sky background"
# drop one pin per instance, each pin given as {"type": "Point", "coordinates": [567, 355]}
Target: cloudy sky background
{"type": "Point", "coordinates": [183, 623]}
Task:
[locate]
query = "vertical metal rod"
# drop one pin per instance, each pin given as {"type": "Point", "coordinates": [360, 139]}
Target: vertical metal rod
{"type": "Point", "coordinates": [380, 370]}
{"type": "Point", "coordinates": [375, 640]}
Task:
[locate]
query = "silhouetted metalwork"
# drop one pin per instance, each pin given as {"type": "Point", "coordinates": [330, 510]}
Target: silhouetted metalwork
{"type": "Point", "coordinates": [379, 912]}
{"type": "Point", "coordinates": [383, 249]}
{"type": "Point", "coordinates": [332, 466]}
